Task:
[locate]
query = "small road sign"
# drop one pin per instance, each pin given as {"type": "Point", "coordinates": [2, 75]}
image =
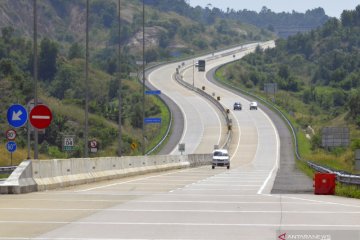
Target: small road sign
{"type": "Point", "coordinates": [152, 120]}
{"type": "Point", "coordinates": [40, 116]}
{"type": "Point", "coordinates": [93, 145]}
{"type": "Point", "coordinates": [10, 134]}
{"type": "Point", "coordinates": [11, 146]}
{"type": "Point", "coordinates": [133, 146]}
{"type": "Point", "coordinates": [69, 143]}
{"type": "Point", "coordinates": [17, 115]}
{"type": "Point", "coordinates": [152, 92]}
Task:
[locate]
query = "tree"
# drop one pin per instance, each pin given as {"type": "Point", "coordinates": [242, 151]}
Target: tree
{"type": "Point", "coordinates": [75, 51]}
{"type": "Point", "coordinates": [354, 104]}
{"type": "Point", "coordinates": [64, 79]}
{"type": "Point", "coordinates": [47, 60]}
{"type": "Point", "coordinates": [7, 34]}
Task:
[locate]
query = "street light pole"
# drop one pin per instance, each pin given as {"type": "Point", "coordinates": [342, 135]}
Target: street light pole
{"type": "Point", "coordinates": [143, 81]}
{"type": "Point", "coordinates": [86, 80]}
{"type": "Point", "coordinates": [120, 85]}
{"type": "Point", "coordinates": [36, 135]}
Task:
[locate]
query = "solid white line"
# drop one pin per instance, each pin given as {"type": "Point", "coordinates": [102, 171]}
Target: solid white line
{"type": "Point", "coordinates": [130, 181]}
{"type": "Point", "coordinates": [182, 224]}
{"type": "Point", "coordinates": [174, 210]}
{"type": "Point", "coordinates": [40, 117]}
{"type": "Point", "coordinates": [212, 107]}
{"type": "Point", "coordinates": [169, 201]}
{"type": "Point", "coordinates": [276, 164]}
{"type": "Point", "coordinates": [321, 202]}
{"type": "Point", "coordinates": [221, 189]}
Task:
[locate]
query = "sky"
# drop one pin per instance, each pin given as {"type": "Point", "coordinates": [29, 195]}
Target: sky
{"type": "Point", "coordinates": [333, 8]}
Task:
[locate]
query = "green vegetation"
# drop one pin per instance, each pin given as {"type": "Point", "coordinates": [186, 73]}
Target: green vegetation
{"type": "Point", "coordinates": [317, 75]}
{"type": "Point", "coordinates": [173, 30]}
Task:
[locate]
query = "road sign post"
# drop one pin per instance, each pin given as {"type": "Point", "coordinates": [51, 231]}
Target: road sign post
{"type": "Point", "coordinates": [10, 134]}
{"type": "Point", "coordinates": [153, 92]}
{"type": "Point", "coordinates": [152, 120]}
{"type": "Point", "coordinates": [68, 143]}
{"type": "Point", "coordinates": [11, 147]}
{"type": "Point", "coordinates": [17, 115]}
{"type": "Point", "coordinates": [93, 145]}
{"type": "Point", "coordinates": [40, 116]}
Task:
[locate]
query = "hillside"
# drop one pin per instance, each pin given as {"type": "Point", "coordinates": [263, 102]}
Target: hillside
{"type": "Point", "coordinates": [172, 29]}
{"type": "Point", "coordinates": [317, 75]}
{"type": "Point", "coordinates": [283, 24]}
{"type": "Point", "coordinates": [61, 34]}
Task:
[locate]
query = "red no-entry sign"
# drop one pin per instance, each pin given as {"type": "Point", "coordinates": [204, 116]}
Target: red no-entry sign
{"type": "Point", "coordinates": [40, 116]}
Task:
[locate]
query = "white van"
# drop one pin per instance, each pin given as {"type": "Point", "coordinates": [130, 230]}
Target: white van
{"type": "Point", "coordinates": [253, 105]}
{"type": "Point", "coordinates": [221, 158]}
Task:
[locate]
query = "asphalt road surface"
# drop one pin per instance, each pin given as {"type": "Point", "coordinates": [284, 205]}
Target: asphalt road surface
{"type": "Point", "coordinates": [197, 203]}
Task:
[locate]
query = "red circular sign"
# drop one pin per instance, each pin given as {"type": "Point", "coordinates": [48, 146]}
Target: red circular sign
{"type": "Point", "coordinates": [40, 116]}
{"type": "Point", "coordinates": [10, 134]}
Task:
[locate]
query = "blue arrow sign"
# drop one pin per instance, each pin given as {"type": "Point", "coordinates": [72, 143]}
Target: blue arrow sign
{"type": "Point", "coordinates": [11, 146]}
{"type": "Point", "coordinates": [17, 115]}
{"type": "Point", "coordinates": [152, 120]}
{"type": "Point", "coordinates": [153, 92]}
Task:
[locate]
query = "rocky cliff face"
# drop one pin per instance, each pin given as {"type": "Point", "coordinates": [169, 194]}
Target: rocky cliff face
{"type": "Point", "coordinates": [19, 15]}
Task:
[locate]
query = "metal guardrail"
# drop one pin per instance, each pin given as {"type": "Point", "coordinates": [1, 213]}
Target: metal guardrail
{"type": "Point", "coordinates": [180, 80]}
{"type": "Point", "coordinates": [158, 64]}
{"type": "Point", "coordinates": [341, 176]}
{"type": "Point", "coordinates": [7, 170]}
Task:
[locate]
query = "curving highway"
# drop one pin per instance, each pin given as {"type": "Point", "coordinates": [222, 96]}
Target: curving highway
{"type": "Point", "coordinates": [196, 203]}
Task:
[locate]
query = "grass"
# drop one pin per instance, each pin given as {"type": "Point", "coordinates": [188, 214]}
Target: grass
{"type": "Point", "coordinates": [165, 121]}
{"type": "Point", "coordinates": [4, 176]}
{"type": "Point", "coordinates": [350, 191]}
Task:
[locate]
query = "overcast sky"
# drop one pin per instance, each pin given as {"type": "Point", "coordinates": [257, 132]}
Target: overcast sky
{"type": "Point", "coordinates": [332, 8]}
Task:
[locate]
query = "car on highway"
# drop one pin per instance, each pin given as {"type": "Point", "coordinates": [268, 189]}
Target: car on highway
{"type": "Point", "coordinates": [220, 158]}
{"type": "Point", "coordinates": [253, 105]}
{"type": "Point", "coordinates": [237, 106]}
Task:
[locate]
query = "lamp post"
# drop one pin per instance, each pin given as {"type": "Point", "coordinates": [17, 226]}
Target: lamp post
{"type": "Point", "coordinates": [120, 85]}
{"type": "Point", "coordinates": [36, 134]}
{"type": "Point", "coordinates": [143, 80]}
{"type": "Point", "coordinates": [86, 81]}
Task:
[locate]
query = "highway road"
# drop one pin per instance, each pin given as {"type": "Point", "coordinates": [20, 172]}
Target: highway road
{"type": "Point", "coordinates": [196, 203]}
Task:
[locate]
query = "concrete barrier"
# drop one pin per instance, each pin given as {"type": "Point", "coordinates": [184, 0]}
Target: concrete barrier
{"type": "Point", "coordinates": [20, 180]}
{"type": "Point", "coordinates": [42, 175]}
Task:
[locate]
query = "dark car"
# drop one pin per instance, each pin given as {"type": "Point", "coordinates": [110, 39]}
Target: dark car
{"type": "Point", "coordinates": [237, 106]}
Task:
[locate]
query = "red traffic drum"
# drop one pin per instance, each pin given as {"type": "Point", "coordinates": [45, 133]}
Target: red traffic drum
{"type": "Point", "coordinates": [324, 183]}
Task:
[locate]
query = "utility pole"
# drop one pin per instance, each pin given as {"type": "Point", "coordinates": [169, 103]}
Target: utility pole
{"type": "Point", "coordinates": [87, 81]}
{"type": "Point", "coordinates": [36, 134]}
{"type": "Point", "coordinates": [143, 82]}
{"type": "Point", "coordinates": [120, 85]}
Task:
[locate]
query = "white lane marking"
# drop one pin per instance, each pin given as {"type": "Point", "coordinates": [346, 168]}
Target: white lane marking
{"type": "Point", "coordinates": [322, 202]}
{"type": "Point", "coordinates": [104, 194]}
{"type": "Point", "coordinates": [212, 107]}
{"type": "Point", "coordinates": [174, 210]}
{"type": "Point", "coordinates": [175, 150]}
{"type": "Point", "coordinates": [182, 224]}
{"type": "Point", "coordinates": [130, 181]}
{"type": "Point", "coordinates": [169, 201]}
{"type": "Point", "coordinates": [238, 143]}
{"type": "Point", "coordinates": [226, 185]}
{"type": "Point", "coordinates": [276, 164]}
{"type": "Point", "coordinates": [221, 189]}
{"type": "Point", "coordinates": [72, 238]}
